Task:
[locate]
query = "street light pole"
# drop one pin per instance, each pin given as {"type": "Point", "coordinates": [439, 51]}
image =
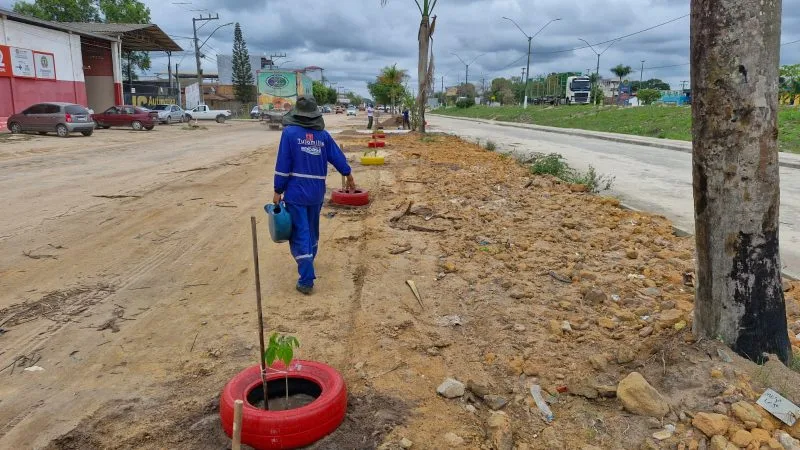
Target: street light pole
{"type": "Point", "coordinates": [641, 73]}
{"type": "Point", "coordinates": [466, 76]}
{"type": "Point", "coordinates": [530, 39]}
{"type": "Point", "coordinates": [597, 70]}
{"type": "Point", "coordinates": [198, 47]}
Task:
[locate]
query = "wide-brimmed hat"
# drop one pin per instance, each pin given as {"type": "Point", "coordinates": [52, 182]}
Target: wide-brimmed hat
{"type": "Point", "coordinates": [306, 107]}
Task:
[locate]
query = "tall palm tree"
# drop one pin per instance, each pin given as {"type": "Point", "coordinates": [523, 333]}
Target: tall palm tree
{"type": "Point", "coordinates": [427, 25]}
{"type": "Point", "coordinates": [394, 78]}
{"type": "Point", "coordinates": [621, 71]}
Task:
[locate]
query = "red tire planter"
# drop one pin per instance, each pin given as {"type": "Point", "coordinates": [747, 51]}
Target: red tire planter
{"type": "Point", "coordinates": [293, 428]}
{"type": "Point", "coordinates": [376, 144]}
{"type": "Point", "coordinates": [347, 198]}
{"type": "Point", "coordinates": [379, 136]}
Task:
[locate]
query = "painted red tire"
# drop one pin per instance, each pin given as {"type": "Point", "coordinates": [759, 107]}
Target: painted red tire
{"type": "Point", "coordinates": [345, 198]}
{"type": "Point", "coordinates": [376, 144]}
{"type": "Point", "coordinates": [294, 428]}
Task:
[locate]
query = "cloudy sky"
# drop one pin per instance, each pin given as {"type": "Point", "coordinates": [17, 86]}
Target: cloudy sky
{"type": "Point", "coordinates": [353, 39]}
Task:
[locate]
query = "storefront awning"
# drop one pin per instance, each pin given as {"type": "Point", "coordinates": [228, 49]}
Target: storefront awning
{"type": "Point", "coordinates": [146, 37]}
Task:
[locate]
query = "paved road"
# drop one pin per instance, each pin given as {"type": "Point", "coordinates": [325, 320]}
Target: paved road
{"type": "Point", "coordinates": [647, 178]}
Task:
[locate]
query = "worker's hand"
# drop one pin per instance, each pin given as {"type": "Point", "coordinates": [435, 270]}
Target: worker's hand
{"type": "Point", "coordinates": [351, 183]}
{"type": "Point", "coordinates": [276, 198]}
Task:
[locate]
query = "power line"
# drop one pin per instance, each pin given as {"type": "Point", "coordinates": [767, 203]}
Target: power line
{"type": "Point", "coordinates": [617, 38]}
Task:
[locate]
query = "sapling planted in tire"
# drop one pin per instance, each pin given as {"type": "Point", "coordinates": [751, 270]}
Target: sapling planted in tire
{"type": "Point", "coordinates": [281, 348]}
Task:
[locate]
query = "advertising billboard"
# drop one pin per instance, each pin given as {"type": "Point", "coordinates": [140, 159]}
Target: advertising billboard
{"type": "Point", "coordinates": [279, 89]}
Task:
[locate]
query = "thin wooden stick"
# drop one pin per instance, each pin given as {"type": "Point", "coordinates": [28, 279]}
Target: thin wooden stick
{"type": "Point", "coordinates": [260, 315]}
{"type": "Point", "coordinates": [237, 425]}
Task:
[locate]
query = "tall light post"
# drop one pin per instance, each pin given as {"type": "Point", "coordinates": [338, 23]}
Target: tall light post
{"type": "Point", "coordinates": [641, 73]}
{"type": "Point", "coordinates": [530, 38]}
{"type": "Point", "coordinates": [597, 70]}
{"type": "Point", "coordinates": [466, 76]}
{"type": "Point", "coordinates": [200, 46]}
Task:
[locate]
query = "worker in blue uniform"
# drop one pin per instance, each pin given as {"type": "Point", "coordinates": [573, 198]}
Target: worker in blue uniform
{"type": "Point", "coordinates": [300, 172]}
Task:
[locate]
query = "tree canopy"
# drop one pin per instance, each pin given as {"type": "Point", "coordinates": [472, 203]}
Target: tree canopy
{"type": "Point", "coordinates": [389, 86]}
{"type": "Point", "coordinates": [243, 82]}
{"type": "Point", "coordinates": [108, 11]}
{"type": "Point", "coordinates": [653, 83]}
{"type": "Point", "coordinates": [323, 94]}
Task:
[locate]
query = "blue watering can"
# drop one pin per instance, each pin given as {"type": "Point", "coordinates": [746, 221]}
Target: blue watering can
{"type": "Point", "coordinates": [279, 222]}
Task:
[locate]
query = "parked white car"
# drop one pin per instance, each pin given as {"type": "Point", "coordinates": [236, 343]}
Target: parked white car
{"type": "Point", "coordinates": [203, 112]}
{"type": "Point", "coordinates": [169, 113]}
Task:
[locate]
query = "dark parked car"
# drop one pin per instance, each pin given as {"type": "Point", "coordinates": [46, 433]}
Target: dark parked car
{"type": "Point", "coordinates": [61, 118]}
{"type": "Point", "coordinates": [126, 116]}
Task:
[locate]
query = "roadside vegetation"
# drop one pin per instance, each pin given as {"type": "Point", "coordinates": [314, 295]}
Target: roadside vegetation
{"type": "Point", "coordinates": [666, 122]}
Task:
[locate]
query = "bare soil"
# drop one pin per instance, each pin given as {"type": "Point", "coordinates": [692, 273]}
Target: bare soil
{"type": "Point", "coordinates": [141, 308]}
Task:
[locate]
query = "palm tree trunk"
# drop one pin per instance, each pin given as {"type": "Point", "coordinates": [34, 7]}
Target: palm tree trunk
{"type": "Point", "coordinates": [735, 54]}
{"type": "Point", "coordinates": [422, 69]}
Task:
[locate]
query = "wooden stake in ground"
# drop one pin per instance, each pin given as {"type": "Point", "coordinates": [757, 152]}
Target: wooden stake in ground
{"type": "Point", "coordinates": [260, 315]}
{"type": "Point", "coordinates": [734, 54]}
{"type": "Point", "coordinates": [237, 425]}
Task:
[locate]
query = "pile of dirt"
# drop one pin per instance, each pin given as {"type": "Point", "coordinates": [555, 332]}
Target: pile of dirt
{"type": "Point", "coordinates": [523, 281]}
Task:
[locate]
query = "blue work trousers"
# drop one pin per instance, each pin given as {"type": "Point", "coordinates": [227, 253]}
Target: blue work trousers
{"type": "Point", "coordinates": [305, 239]}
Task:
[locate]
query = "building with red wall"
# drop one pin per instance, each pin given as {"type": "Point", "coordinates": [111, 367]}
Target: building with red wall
{"type": "Point", "coordinates": [43, 61]}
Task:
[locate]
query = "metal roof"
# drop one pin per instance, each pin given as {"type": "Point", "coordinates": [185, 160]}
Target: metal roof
{"type": "Point", "coordinates": [59, 26]}
{"type": "Point", "coordinates": [145, 37]}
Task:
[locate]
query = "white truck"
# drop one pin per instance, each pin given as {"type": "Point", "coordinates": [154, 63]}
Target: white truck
{"type": "Point", "coordinates": [203, 112]}
{"type": "Point", "coordinates": [578, 90]}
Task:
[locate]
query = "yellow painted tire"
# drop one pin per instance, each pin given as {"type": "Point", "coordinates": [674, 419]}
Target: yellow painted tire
{"type": "Point", "coordinates": [372, 160]}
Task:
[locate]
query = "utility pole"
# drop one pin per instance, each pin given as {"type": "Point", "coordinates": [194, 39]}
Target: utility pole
{"type": "Point", "coordinates": [641, 73]}
{"type": "Point", "coordinates": [197, 50]}
{"type": "Point", "coordinates": [466, 75]}
{"type": "Point", "coordinates": [683, 86]}
{"type": "Point", "coordinates": [178, 84]}
{"type": "Point", "coordinates": [735, 50]}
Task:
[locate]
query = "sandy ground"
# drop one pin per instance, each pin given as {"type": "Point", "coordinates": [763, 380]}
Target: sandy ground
{"type": "Point", "coordinates": [139, 309]}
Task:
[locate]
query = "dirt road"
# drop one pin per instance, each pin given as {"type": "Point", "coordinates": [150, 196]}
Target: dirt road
{"type": "Point", "coordinates": [139, 309]}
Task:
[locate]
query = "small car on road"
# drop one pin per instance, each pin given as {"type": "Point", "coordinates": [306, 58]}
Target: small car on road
{"type": "Point", "coordinates": [169, 113]}
{"type": "Point", "coordinates": [61, 118]}
{"type": "Point", "coordinates": [352, 111]}
{"type": "Point", "coordinates": [126, 116]}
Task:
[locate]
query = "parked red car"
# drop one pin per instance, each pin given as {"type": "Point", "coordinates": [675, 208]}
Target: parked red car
{"type": "Point", "coordinates": [126, 116]}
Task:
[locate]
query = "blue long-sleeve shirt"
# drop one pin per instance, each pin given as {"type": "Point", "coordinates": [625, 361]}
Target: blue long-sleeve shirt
{"type": "Point", "coordinates": [302, 165]}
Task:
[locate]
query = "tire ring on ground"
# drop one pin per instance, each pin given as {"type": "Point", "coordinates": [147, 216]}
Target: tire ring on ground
{"type": "Point", "coordinates": [345, 198]}
{"type": "Point", "coordinates": [372, 160]}
{"type": "Point", "coordinates": [294, 428]}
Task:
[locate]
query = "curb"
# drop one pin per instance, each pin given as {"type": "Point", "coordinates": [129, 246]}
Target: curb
{"type": "Point", "coordinates": [622, 139]}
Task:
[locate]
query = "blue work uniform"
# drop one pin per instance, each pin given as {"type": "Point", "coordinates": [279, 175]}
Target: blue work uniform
{"type": "Point", "coordinates": [300, 174]}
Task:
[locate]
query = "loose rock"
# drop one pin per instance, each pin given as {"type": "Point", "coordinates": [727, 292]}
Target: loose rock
{"type": "Point", "coordinates": [711, 423]}
{"type": "Point", "coordinates": [595, 297]}
{"type": "Point", "coordinates": [406, 443]}
{"type": "Point", "coordinates": [450, 388]}
{"type": "Point", "coordinates": [606, 323]}
{"type": "Point", "coordinates": [742, 438]}
{"type": "Point", "coordinates": [555, 328]}
{"type": "Point", "coordinates": [566, 327]}
{"type": "Point", "coordinates": [477, 388]}
{"type": "Point", "coordinates": [494, 402]}
{"type": "Point", "coordinates": [719, 442]}
{"type": "Point", "coordinates": [453, 440]}
{"type": "Point", "coordinates": [599, 362]}
{"type": "Point", "coordinates": [639, 397]}
{"type": "Point", "coordinates": [670, 317]}
{"type": "Point", "coordinates": [662, 435]}
{"type": "Point", "coordinates": [745, 412]}
{"type": "Point", "coordinates": [625, 355]}
{"type": "Point", "coordinates": [646, 331]}
{"type": "Point", "coordinates": [500, 434]}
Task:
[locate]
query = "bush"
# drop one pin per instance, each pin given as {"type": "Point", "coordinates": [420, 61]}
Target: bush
{"type": "Point", "coordinates": [554, 164]}
{"type": "Point", "coordinates": [491, 146]}
{"type": "Point", "coordinates": [465, 102]}
{"type": "Point", "coordinates": [648, 96]}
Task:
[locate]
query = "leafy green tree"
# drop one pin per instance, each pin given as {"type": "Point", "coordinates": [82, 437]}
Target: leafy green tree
{"type": "Point", "coordinates": [243, 82]}
{"type": "Point", "coordinates": [648, 96]}
{"type": "Point", "coordinates": [790, 79]}
{"type": "Point", "coordinates": [60, 10]}
{"type": "Point", "coordinates": [108, 11]}
{"type": "Point", "coordinates": [389, 87]}
{"type": "Point", "coordinates": [323, 94]}
{"type": "Point", "coordinates": [653, 83]}
{"type": "Point", "coordinates": [621, 72]}
{"type": "Point", "coordinates": [354, 98]}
